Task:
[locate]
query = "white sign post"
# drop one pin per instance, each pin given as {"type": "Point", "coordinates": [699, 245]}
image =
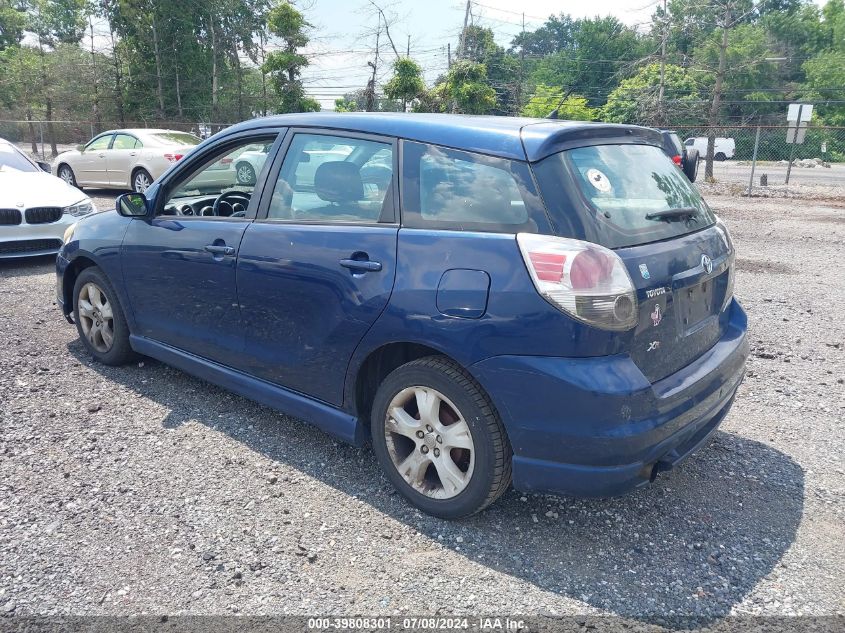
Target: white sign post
{"type": "Point", "coordinates": [798, 118]}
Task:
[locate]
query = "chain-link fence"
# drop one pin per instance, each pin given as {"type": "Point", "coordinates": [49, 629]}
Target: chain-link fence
{"type": "Point", "coordinates": [818, 160]}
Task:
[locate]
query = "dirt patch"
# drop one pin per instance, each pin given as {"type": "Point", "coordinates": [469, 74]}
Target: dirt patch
{"type": "Point", "coordinates": [760, 266]}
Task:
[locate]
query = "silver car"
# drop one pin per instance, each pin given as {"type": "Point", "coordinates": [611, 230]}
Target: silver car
{"type": "Point", "coordinates": [131, 159]}
{"type": "Point", "coordinates": [36, 209]}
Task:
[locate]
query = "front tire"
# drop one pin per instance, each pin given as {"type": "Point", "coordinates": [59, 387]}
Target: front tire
{"type": "Point", "coordinates": [99, 318]}
{"type": "Point", "coordinates": [66, 174]}
{"type": "Point", "coordinates": [141, 180]}
{"type": "Point", "coordinates": [439, 439]}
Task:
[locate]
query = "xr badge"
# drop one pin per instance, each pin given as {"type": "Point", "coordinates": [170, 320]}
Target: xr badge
{"type": "Point", "coordinates": [656, 315]}
{"type": "Point", "coordinates": [644, 271]}
{"type": "Point", "coordinates": [653, 346]}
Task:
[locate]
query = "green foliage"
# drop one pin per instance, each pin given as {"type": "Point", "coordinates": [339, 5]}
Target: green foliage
{"type": "Point", "coordinates": [345, 105]}
{"type": "Point", "coordinates": [588, 61]}
{"type": "Point", "coordinates": [12, 23]}
{"type": "Point", "coordinates": [547, 98]}
{"type": "Point", "coordinates": [406, 83]}
{"type": "Point", "coordinates": [636, 99]}
{"type": "Point", "coordinates": [285, 66]}
{"type": "Point", "coordinates": [466, 85]}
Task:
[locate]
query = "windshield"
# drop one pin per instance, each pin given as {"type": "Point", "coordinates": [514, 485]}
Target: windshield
{"type": "Point", "coordinates": [606, 193]}
{"type": "Point", "coordinates": [12, 158]}
{"type": "Point", "coordinates": [175, 138]}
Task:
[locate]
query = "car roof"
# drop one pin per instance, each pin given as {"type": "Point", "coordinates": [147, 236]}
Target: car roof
{"type": "Point", "coordinates": [507, 137]}
{"type": "Point", "coordinates": [142, 131]}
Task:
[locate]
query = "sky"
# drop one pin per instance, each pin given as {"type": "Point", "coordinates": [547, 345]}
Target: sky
{"type": "Point", "coordinates": [341, 45]}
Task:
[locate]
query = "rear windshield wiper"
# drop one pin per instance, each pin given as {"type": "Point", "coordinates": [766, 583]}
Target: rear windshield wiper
{"type": "Point", "coordinates": [672, 214]}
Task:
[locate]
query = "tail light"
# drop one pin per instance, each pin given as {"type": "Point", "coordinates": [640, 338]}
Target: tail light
{"type": "Point", "coordinates": [584, 280]}
{"type": "Point", "coordinates": [173, 157]}
{"type": "Point", "coordinates": [225, 161]}
{"type": "Point", "coordinates": [676, 159]}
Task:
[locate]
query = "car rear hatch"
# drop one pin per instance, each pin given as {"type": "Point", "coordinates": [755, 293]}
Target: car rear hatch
{"type": "Point", "coordinates": [626, 195]}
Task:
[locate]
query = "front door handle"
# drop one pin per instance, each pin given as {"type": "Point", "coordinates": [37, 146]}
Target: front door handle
{"type": "Point", "coordinates": [220, 250]}
{"type": "Point", "coordinates": [361, 265]}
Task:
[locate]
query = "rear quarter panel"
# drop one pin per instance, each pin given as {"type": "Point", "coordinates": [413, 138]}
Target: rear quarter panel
{"type": "Point", "coordinates": [517, 320]}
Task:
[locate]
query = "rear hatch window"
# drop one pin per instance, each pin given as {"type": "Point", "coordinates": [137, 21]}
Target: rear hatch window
{"type": "Point", "coordinates": [633, 199]}
{"type": "Point", "coordinates": [619, 195]}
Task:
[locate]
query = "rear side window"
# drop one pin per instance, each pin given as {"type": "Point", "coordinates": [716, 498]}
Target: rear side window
{"type": "Point", "coordinates": [451, 189]}
{"type": "Point", "coordinates": [605, 193]}
{"type": "Point", "coordinates": [175, 138]}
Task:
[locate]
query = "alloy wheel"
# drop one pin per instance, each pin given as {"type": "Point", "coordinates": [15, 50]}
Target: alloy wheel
{"type": "Point", "coordinates": [429, 442]}
{"type": "Point", "coordinates": [66, 175]}
{"type": "Point", "coordinates": [246, 175]}
{"type": "Point", "coordinates": [142, 182]}
{"type": "Point", "coordinates": [96, 317]}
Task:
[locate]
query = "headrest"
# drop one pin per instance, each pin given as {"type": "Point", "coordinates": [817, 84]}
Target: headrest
{"type": "Point", "coordinates": [339, 181]}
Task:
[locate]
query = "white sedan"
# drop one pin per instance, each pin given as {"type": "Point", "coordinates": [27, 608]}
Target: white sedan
{"type": "Point", "coordinates": [132, 159]}
{"type": "Point", "coordinates": [35, 207]}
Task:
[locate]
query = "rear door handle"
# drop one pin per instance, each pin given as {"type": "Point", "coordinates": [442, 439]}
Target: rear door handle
{"type": "Point", "coordinates": [358, 264]}
{"type": "Point", "coordinates": [220, 250]}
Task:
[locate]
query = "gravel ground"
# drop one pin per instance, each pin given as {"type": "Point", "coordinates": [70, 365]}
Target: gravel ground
{"type": "Point", "coordinates": [143, 490]}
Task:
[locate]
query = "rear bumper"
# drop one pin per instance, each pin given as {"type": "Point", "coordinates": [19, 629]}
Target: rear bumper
{"type": "Point", "coordinates": [597, 427]}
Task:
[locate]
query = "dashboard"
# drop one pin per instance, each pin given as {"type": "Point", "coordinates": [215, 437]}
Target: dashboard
{"type": "Point", "coordinates": [227, 204]}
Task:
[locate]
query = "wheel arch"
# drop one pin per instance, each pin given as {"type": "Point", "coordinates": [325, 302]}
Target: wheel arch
{"type": "Point", "coordinates": [71, 273]}
{"type": "Point", "coordinates": [139, 167]}
{"type": "Point", "coordinates": [364, 379]}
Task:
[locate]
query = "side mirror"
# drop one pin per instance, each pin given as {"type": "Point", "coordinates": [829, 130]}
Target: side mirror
{"type": "Point", "coordinates": [80, 148]}
{"type": "Point", "coordinates": [43, 165]}
{"type": "Point", "coordinates": [132, 205]}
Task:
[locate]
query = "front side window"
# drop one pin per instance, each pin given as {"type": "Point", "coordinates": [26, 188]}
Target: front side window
{"type": "Point", "coordinates": [101, 142]}
{"type": "Point", "coordinates": [12, 158]}
{"type": "Point", "coordinates": [214, 189]}
{"type": "Point", "coordinates": [623, 195]}
{"type": "Point", "coordinates": [445, 188]}
{"type": "Point", "coordinates": [334, 179]}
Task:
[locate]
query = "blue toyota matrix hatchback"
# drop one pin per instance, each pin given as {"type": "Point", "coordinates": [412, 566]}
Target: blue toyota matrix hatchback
{"type": "Point", "coordinates": [487, 299]}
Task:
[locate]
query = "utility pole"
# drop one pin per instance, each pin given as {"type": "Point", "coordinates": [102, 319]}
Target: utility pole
{"type": "Point", "coordinates": [660, 111]}
{"type": "Point", "coordinates": [717, 93]}
{"type": "Point", "coordinates": [461, 39]}
{"type": "Point", "coordinates": [521, 69]}
{"type": "Point", "coordinates": [96, 82]}
{"type": "Point", "coordinates": [448, 54]}
{"type": "Point", "coordinates": [408, 51]}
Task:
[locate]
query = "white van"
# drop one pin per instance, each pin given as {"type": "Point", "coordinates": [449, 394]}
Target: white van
{"type": "Point", "coordinates": [724, 149]}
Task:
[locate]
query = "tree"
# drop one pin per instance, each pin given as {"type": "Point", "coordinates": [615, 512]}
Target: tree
{"type": "Point", "coordinates": [546, 98]}
{"type": "Point", "coordinates": [285, 65]}
{"type": "Point", "coordinates": [53, 22]}
{"type": "Point", "coordinates": [12, 23]}
{"type": "Point", "coordinates": [592, 58]}
{"type": "Point", "coordinates": [635, 100]}
{"type": "Point", "coordinates": [406, 83]}
{"type": "Point", "coordinates": [466, 85]}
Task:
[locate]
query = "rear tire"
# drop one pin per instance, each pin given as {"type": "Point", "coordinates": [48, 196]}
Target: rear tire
{"type": "Point", "coordinates": [141, 180]}
{"type": "Point", "coordinates": [245, 174]}
{"type": "Point", "coordinates": [691, 164]}
{"type": "Point", "coordinates": [720, 156]}
{"type": "Point", "coordinates": [99, 318]}
{"type": "Point", "coordinates": [439, 439]}
{"type": "Point", "coordinates": [66, 173]}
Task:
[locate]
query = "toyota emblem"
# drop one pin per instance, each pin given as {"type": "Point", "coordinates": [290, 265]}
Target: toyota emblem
{"type": "Point", "coordinates": [707, 264]}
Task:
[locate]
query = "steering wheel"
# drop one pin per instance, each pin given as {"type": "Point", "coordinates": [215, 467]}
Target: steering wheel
{"type": "Point", "coordinates": [237, 197]}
